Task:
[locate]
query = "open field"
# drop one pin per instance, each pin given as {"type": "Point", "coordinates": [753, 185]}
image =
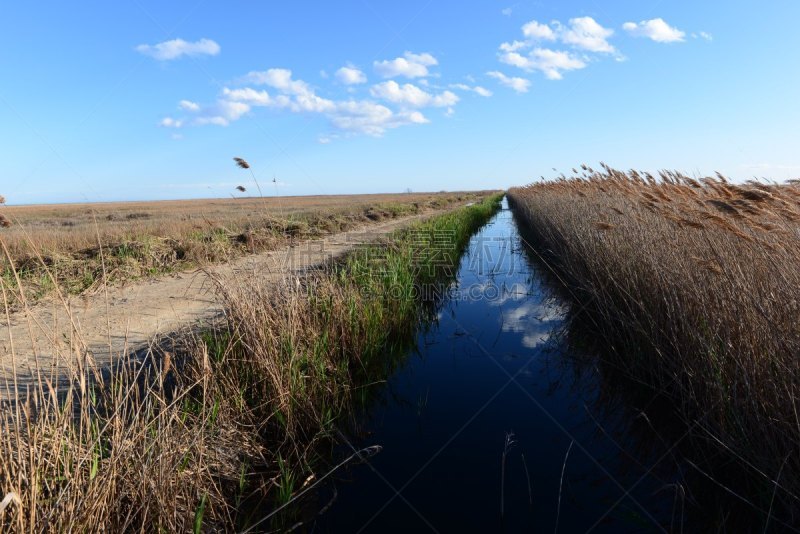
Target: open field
{"type": "Point", "coordinates": [195, 438]}
{"type": "Point", "coordinates": [692, 288]}
{"type": "Point", "coordinates": [38, 339]}
{"type": "Point", "coordinates": [83, 246]}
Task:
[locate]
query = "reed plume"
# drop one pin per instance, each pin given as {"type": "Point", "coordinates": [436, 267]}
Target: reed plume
{"type": "Point", "coordinates": [241, 163]}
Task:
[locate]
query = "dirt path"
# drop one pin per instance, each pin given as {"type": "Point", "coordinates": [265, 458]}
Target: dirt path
{"type": "Point", "coordinates": [47, 338]}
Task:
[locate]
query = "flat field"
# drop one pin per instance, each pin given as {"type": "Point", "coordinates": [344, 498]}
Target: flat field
{"type": "Point", "coordinates": [68, 227]}
{"type": "Point", "coordinates": [79, 246]}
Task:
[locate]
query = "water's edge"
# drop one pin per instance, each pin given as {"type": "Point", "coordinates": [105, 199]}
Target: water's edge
{"type": "Point", "coordinates": [491, 422]}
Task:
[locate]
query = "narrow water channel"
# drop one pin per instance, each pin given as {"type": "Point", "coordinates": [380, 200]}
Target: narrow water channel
{"type": "Point", "coordinates": [490, 425]}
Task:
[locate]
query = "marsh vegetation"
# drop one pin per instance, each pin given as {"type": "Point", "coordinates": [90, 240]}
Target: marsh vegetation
{"type": "Point", "coordinates": [691, 288]}
{"type": "Point", "coordinates": [193, 434]}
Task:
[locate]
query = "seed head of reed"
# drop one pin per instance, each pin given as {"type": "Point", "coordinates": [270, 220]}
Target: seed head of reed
{"type": "Point", "coordinates": [241, 163]}
{"type": "Point", "coordinates": [241, 188]}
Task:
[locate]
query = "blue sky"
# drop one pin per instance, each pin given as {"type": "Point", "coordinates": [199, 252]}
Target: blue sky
{"type": "Point", "coordinates": [139, 99]}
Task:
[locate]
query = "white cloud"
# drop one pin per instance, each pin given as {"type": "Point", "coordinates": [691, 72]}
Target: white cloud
{"type": "Point", "coordinates": [372, 119]}
{"type": "Point", "coordinates": [585, 33]}
{"type": "Point", "coordinates": [581, 33]}
{"type": "Point", "coordinates": [174, 49]}
{"type": "Point", "coordinates": [250, 96]}
{"type": "Point", "coordinates": [516, 59]}
{"type": "Point", "coordinates": [188, 105]}
{"type": "Point", "coordinates": [482, 91]}
{"type": "Point", "coordinates": [350, 76]}
{"type": "Point", "coordinates": [169, 122]}
{"type": "Point", "coordinates": [411, 95]}
{"type": "Point", "coordinates": [513, 46]}
{"type": "Point", "coordinates": [279, 79]}
{"type": "Point", "coordinates": [707, 36]}
{"type": "Point", "coordinates": [304, 97]}
{"type": "Point", "coordinates": [520, 85]}
{"type": "Point", "coordinates": [232, 106]}
{"type": "Point", "coordinates": [296, 96]}
{"type": "Point", "coordinates": [223, 113]}
{"type": "Point", "coordinates": [507, 11]}
{"type": "Point", "coordinates": [422, 59]}
{"type": "Point", "coordinates": [310, 102]}
{"type": "Point", "coordinates": [550, 62]}
{"type": "Point", "coordinates": [410, 66]}
{"type": "Point", "coordinates": [536, 30]}
{"type": "Point", "coordinates": [656, 29]}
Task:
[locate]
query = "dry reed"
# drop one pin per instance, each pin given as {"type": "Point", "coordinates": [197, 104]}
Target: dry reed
{"type": "Point", "coordinates": [188, 435]}
{"type": "Point", "coordinates": [693, 288]}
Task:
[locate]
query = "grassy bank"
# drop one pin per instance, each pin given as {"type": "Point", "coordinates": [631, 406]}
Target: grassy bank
{"type": "Point", "coordinates": [79, 247]}
{"type": "Point", "coordinates": [190, 438]}
{"type": "Point", "coordinates": [692, 289]}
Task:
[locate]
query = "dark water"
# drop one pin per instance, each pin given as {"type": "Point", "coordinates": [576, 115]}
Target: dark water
{"type": "Point", "coordinates": [496, 369]}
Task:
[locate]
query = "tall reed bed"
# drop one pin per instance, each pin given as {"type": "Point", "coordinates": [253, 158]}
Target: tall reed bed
{"type": "Point", "coordinates": [190, 436]}
{"type": "Point", "coordinates": [693, 289]}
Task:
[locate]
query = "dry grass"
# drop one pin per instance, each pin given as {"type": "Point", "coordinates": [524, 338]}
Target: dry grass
{"type": "Point", "coordinates": [5, 222]}
{"type": "Point", "coordinates": [189, 437]}
{"type": "Point", "coordinates": [229, 417]}
{"type": "Point", "coordinates": [141, 239]}
{"type": "Point", "coordinates": [694, 287]}
{"type": "Point", "coordinates": [134, 454]}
